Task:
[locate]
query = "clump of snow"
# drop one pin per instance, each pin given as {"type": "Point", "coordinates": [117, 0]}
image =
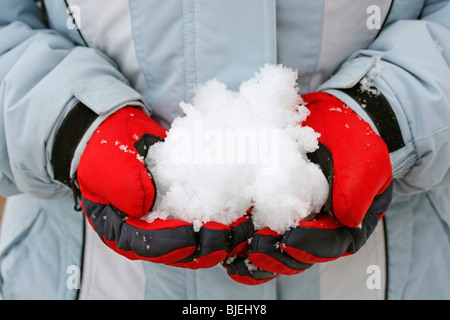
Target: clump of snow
{"type": "Point", "coordinates": [233, 150]}
{"type": "Point", "coordinates": [366, 83]}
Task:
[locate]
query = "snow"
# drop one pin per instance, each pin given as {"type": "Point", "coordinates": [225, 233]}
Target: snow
{"type": "Point", "coordinates": [123, 147]}
{"type": "Point", "coordinates": [366, 83]}
{"type": "Point", "coordinates": [250, 266]}
{"type": "Point", "coordinates": [236, 149]}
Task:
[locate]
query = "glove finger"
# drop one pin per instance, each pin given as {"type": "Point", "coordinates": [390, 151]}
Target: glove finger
{"type": "Point", "coordinates": [321, 240]}
{"type": "Point", "coordinates": [213, 241]}
{"type": "Point", "coordinates": [266, 253]}
{"type": "Point", "coordinates": [241, 270]}
{"type": "Point", "coordinates": [241, 230]}
{"type": "Point", "coordinates": [217, 241]}
{"type": "Point", "coordinates": [161, 241]}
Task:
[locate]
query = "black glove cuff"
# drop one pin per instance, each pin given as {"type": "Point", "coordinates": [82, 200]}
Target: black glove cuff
{"type": "Point", "coordinates": [380, 111]}
{"type": "Point", "coordinates": [69, 135]}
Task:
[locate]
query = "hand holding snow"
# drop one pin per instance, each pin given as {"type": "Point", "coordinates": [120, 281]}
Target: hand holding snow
{"type": "Point", "coordinates": [233, 150]}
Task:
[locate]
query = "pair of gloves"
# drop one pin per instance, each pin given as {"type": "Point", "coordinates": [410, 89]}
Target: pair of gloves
{"type": "Point", "coordinates": [116, 190]}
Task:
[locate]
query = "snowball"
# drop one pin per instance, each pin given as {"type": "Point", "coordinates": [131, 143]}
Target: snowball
{"type": "Point", "coordinates": [233, 150]}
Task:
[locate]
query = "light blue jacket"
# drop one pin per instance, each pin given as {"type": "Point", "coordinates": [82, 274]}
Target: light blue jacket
{"type": "Point", "coordinates": [111, 53]}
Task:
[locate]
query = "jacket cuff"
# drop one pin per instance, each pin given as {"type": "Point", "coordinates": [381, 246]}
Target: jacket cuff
{"type": "Point", "coordinates": [95, 99]}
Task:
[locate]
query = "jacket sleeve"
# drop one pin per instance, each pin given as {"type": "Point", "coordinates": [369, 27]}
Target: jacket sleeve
{"type": "Point", "coordinates": [408, 64]}
{"type": "Point", "coordinates": [43, 76]}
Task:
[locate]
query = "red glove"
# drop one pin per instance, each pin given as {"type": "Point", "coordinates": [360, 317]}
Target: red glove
{"type": "Point", "coordinates": [117, 190]}
{"type": "Point", "coordinates": [357, 164]}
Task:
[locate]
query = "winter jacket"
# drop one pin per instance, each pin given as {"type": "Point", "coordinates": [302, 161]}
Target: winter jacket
{"type": "Point", "coordinates": [108, 54]}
